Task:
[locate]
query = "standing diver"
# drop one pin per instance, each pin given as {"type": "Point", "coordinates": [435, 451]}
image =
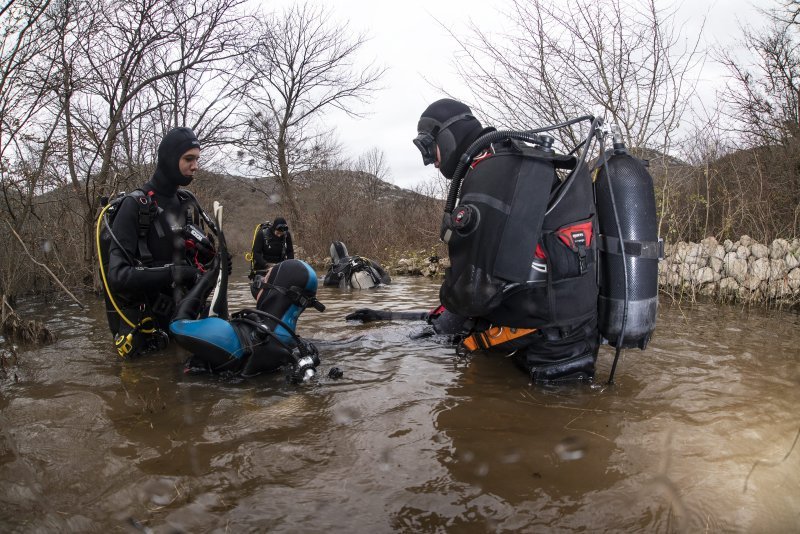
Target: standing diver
{"type": "Point", "coordinates": [250, 341]}
{"type": "Point", "coordinates": [521, 227]}
{"type": "Point", "coordinates": [551, 339]}
{"type": "Point", "coordinates": [272, 243]}
{"type": "Point", "coordinates": [152, 248]}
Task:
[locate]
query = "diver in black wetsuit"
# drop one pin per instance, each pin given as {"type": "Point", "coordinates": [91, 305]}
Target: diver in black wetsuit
{"type": "Point", "coordinates": [353, 271]}
{"type": "Point", "coordinates": [154, 248]}
{"type": "Point", "coordinates": [272, 244]}
{"type": "Point", "coordinates": [523, 278]}
{"type": "Point", "coordinates": [251, 341]}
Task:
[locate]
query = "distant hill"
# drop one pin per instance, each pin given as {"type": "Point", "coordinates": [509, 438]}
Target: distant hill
{"type": "Point", "coordinates": [368, 214]}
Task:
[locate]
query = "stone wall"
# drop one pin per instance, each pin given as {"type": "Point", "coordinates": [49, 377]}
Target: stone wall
{"type": "Point", "coordinates": [420, 264]}
{"type": "Point", "coordinates": [742, 271]}
{"type": "Point", "coordinates": [739, 271]}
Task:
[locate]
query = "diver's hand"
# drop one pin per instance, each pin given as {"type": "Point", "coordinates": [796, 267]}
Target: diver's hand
{"type": "Point", "coordinates": [184, 275]}
{"type": "Point", "coordinates": [366, 315]}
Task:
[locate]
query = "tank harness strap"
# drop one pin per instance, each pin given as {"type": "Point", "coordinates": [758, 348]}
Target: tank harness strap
{"type": "Point", "coordinates": [265, 227]}
{"type": "Point", "coordinates": [495, 335]}
{"type": "Point", "coordinates": [255, 318]}
{"type": "Point", "coordinates": [298, 296]}
{"type": "Point", "coordinates": [192, 208]}
{"type": "Point", "coordinates": [653, 250]}
{"type": "Point", "coordinates": [148, 210]}
{"type": "Point", "coordinates": [359, 263]}
{"type": "Point", "coordinates": [262, 332]}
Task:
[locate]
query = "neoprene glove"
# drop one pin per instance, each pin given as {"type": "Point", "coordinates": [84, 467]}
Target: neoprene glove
{"type": "Point", "coordinates": [366, 315]}
{"type": "Point", "coordinates": [184, 275]}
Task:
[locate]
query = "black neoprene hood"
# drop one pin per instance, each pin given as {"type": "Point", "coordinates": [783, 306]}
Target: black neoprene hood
{"type": "Point", "coordinates": [172, 147]}
{"type": "Point", "coordinates": [453, 138]}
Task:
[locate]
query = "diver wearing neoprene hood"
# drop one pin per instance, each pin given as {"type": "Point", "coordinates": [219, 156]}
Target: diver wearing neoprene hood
{"type": "Point", "coordinates": [528, 230]}
{"type": "Point", "coordinates": [153, 248]}
{"type": "Point", "coordinates": [524, 278]}
{"type": "Point", "coordinates": [522, 275]}
{"type": "Point", "coordinates": [449, 126]}
{"type": "Point", "coordinates": [255, 340]}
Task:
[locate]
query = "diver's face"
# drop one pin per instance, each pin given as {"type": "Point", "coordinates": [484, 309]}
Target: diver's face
{"type": "Point", "coordinates": [266, 277]}
{"type": "Point", "coordinates": [189, 162]}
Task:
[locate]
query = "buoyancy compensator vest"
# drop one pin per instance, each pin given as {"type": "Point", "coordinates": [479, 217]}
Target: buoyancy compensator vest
{"type": "Point", "coordinates": [129, 315]}
{"type": "Point", "coordinates": [355, 272]}
{"type": "Point", "coordinates": [256, 340]}
{"type": "Point", "coordinates": [118, 317]}
{"type": "Point", "coordinates": [629, 249]}
{"type": "Point", "coordinates": [513, 262]}
{"type": "Point", "coordinates": [606, 232]}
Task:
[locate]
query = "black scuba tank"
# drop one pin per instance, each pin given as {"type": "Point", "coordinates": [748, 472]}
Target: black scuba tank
{"type": "Point", "coordinates": [626, 210]}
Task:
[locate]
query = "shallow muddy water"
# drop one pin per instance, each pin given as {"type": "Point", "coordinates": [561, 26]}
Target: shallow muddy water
{"type": "Point", "coordinates": [697, 434]}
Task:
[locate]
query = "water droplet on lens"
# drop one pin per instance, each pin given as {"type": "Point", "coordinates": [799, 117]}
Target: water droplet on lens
{"type": "Point", "coordinates": [570, 448]}
{"type": "Point", "coordinates": [346, 415]}
{"type": "Point", "coordinates": [511, 457]}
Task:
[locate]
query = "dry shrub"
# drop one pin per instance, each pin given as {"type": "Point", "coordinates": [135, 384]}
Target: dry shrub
{"type": "Point", "coordinates": [752, 192]}
{"type": "Point", "coordinates": [16, 329]}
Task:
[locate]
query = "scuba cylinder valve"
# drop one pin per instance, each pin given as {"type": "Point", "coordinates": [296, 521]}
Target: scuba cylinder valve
{"type": "Point", "coordinates": [629, 247]}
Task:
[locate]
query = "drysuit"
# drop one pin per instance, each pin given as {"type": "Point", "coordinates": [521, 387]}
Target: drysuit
{"type": "Point", "coordinates": [353, 271]}
{"type": "Point", "coordinates": [252, 341]}
{"type": "Point", "coordinates": [151, 260]}
{"type": "Point", "coordinates": [270, 248]}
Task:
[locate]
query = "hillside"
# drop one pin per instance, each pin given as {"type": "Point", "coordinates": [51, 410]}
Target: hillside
{"type": "Point", "coordinates": [371, 216]}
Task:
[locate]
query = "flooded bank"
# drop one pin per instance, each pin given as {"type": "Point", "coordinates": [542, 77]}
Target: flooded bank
{"type": "Point", "coordinates": [697, 434]}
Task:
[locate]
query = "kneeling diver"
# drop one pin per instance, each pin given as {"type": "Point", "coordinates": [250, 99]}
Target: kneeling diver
{"type": "Point", "coordinates": [353, 271]}
{"type": "Point", "coordinates": [251, 341]}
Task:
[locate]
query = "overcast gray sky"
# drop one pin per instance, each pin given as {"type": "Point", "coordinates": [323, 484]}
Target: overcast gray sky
{"type": "Point", "coordinates": [408, 38]}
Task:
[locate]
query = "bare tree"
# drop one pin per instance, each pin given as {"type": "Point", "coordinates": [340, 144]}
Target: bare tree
{"type": "Point", "coordinates": [763, 97]}
{"type": "Point", "coordinates": [373, 170]}
{"type": "Point", "coordinates": [622, 60]}
{"type": "Point", "coordinates": [762, 103]}
{"type": "Point", "coordinates": [303, 66]}
{"type": "Point", "coordinates": [114, 57]}
{"type": "Point", "coordinates": [24, 81]}
{"type": "Point", "coordinates": [25, 140]}
{"type": "Point", "coordinates": [373, 162]}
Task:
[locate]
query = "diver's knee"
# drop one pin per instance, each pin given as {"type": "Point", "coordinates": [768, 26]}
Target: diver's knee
{"type": "Point", "coordinates": [577, 368]}
{"type": "Point", "coordinates": [550, 357]}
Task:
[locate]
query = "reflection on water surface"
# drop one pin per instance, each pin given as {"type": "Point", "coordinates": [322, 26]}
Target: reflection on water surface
{"type": "Point", "coordinates": [696, 434]}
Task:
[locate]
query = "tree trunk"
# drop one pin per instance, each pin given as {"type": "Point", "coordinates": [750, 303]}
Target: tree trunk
{"type": "Point", "coordinates": [286, 182]}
